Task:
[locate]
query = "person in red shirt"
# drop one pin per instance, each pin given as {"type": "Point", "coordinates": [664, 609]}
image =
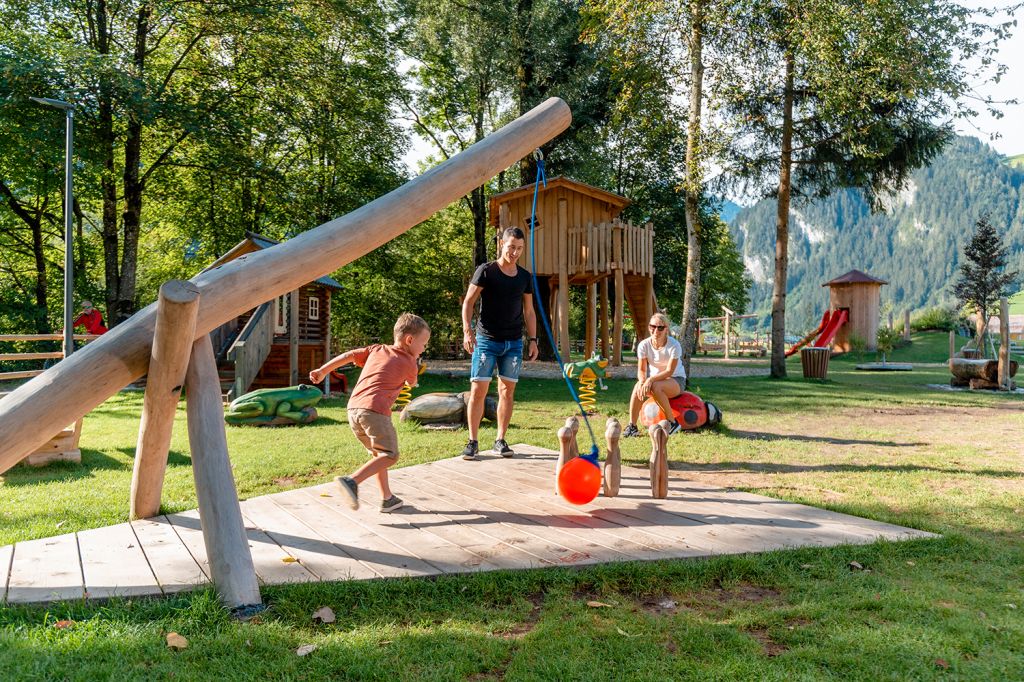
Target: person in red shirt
{"type": "Point", "coordinates": [90, 318]}
{"type": "Point", "coordinates": [386, 369]}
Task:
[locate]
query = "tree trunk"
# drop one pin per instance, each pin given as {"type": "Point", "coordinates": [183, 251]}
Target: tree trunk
{"type": "Point", "coordinates": [694, 178]}
{"type": "Point", "coordinates": [133, 186]}
{"type": "Point", "coordinates": [42, 321]}
{"type": "Point", "coordinates": [527, 95]}
{"type": "Point", "coordinates": [778, 369]}
{"type": "Point", "coordinates": [108, 185]}
{"type": "Point", "coordinates": [478, 197]}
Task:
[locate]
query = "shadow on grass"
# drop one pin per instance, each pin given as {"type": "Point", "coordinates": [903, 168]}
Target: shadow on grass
{"type": "Point", "coordinates": [776, 468]}
{"type": "Point", "coordinates": [763, 435]}
{"type": "Point", "coordinates": [92, 460]}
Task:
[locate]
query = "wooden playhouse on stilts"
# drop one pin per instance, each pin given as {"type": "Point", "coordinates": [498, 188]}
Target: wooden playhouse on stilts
{"type": "Point", "coordinates": [581, 241]}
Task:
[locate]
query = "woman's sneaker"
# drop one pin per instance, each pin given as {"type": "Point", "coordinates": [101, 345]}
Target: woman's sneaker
{"type": "Point", "coordinates": [674, 427]}
{"type": "Point", "coordinates": [390, 505]}
{"type": "Point", "coordinates": [502, 448]}
{"type": "Point", "coordinates": [349, 490]}
{"type": "Point", "coordinates": [631, 431]}
{"type": "Point", "coordinates": [471, 451]}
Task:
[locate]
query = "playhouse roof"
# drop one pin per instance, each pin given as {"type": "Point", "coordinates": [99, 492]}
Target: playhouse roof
{"type": "Point", "coordinates": [855, 277]}
{"type": "Point", "coordinates": [257, 242]}
{"type": "Point", "coordinates": [616, 200]}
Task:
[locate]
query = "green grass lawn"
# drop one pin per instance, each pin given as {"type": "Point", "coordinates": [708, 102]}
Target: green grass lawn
{"type": "Point", "coordinates": [1017, 303]}
{"type": "Point", "coordinates": [882, 446]}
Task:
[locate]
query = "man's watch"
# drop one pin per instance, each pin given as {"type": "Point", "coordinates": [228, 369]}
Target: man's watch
{"type": "Point", "coordinates": [532, 338]}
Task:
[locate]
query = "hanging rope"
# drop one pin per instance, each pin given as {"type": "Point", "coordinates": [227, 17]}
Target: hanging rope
{"type": "Point", "coordinates": [541, 178]}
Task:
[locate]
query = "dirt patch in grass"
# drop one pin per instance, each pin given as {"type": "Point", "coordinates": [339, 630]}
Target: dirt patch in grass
{"type": "Point", "coordinates": [520, 630]}
{"type": "Point", "coordinates": [709, 602]}
{"type": "Point", "coordinates": [769, 646]}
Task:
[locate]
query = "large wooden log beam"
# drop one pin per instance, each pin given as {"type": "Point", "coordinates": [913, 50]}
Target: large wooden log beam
{"type": "Point", "coordinates": [227, 546]}
{"type": "Point", "coordinates": [969, 368]}
{"type": "Point", "coordinates": [172, 346]}
{"type": "Point", "coordinates": [72, 388]}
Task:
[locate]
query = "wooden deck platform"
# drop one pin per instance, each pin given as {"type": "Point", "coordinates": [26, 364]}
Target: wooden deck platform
{"type": "Point", "coordinates": [459, 517]}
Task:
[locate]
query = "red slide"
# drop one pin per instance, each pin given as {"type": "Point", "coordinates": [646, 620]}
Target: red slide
{"type": "Point", "coordinates": [807, 339]}
{"type": "Point", "coordinates": [831, 327]}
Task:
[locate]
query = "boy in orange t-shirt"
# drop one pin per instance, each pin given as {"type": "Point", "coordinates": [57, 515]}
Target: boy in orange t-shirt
{"type": "Point", "coordinates": [386, 369]}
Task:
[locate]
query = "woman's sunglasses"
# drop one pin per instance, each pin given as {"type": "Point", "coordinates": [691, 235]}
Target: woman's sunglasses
{"type": "Point", "coordinates": [656, 327]}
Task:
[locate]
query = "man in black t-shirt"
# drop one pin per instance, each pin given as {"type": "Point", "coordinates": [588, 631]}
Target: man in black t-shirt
{"type": "Point", "coordinates": [505, 291]}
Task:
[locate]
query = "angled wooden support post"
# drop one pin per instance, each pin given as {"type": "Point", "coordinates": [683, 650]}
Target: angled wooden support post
{"type": "Point", "coordinates": [659, 459]}
{"type": "Point", "coordinates": [227, 547]}
{"type": "Point", "coordinates": [567, 447]}
{"type": "Point", "coordinates": [175, 329]}
{"type": "Point", "coordinates": [613, 461]}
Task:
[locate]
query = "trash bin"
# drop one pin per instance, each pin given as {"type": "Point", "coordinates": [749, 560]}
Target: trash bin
{"type": "Point", "coordinates": [815, 362]}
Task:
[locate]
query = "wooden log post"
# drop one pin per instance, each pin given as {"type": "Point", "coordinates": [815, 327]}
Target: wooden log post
{"type": "Point", "coordinates": [906, 325]}
{"type": "Point", "coordinates": [659, 459]}
{"type": "Point", "coordinates": [293, 338]}
{"type": "Point", "coordinates": [620, 285]}
{"type": "Point", "coordinates": [567, 447]}
{"type": "Point", "coordinates": [728, 326]}
{"type": "Point", "coordinates": [604, 318]}
{"type": "Point", "coordinates": [613, 461]}
{"type": "Point", "coordinates": [231, 566]}
{"type": "Point", "coordinates": [176, 309]}
{"type": "Point", "coordinates": [1004, 344]}
{"type": "Point", "coordinates": [588, 345]}
{"type": "Point", "coordinates": [563, 280]}
{"type": "Point", "coordinates": [952, 347]}
{"type": "Point", "coordinates": [37, 409]}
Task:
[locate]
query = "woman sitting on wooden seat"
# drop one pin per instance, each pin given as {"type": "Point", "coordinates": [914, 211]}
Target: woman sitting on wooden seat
{"type": "Point", "coordinates": [660, 373]}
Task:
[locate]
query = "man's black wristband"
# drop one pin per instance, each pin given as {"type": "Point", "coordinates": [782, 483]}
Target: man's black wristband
{"type": "Point", "coordinates": [532, 338]}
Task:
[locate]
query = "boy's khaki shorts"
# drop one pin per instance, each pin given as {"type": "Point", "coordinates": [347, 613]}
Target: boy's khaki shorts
{"type": "Point", "coordinates": [375, 431]}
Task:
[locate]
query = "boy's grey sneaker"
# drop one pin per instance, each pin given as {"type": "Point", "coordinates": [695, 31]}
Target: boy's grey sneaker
{"type": "Point", "coordinates": [502, 448]}
{"type": "Point", "coordinates": [390, 505]}
{"type": "Point", "coordinates": [471, 450]}
{"type": "Point", "coordinates": [349, 490]}
{"type": "Point", "coordinates": [674, 427]}
{"type": "Point", "coordinates": [631, 431]}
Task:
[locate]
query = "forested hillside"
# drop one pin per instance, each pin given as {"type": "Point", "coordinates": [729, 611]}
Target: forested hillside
{"type": "Point", "coordinates": [915, 244]}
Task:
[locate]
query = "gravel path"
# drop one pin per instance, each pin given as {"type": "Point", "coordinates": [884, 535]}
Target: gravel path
{"type": "Point", "coordinates": [699, 369]}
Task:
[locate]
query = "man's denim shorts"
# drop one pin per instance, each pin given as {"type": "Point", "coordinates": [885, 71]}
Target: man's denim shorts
{"type": "Point", "coordinates": [507, 356]}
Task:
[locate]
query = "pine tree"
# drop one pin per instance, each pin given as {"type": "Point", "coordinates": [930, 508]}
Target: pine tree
{"type": "Point", "coordinates": [983, 276]}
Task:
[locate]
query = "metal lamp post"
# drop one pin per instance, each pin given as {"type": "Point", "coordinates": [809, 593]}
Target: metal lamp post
{"type": "Point", "coordinates": [69, 111]}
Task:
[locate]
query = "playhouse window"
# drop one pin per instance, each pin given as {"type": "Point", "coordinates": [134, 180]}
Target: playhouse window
{"type": "Point", "coordinates": [314, 308]}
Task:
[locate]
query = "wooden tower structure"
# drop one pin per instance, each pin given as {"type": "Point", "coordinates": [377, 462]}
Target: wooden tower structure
{"type": "Point", "coordinates": [860, 295]}
{"type": "Point", "coordinates": [581, 241]}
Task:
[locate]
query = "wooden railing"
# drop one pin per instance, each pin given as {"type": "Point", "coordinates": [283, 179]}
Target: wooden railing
{"type": "Point", "coordinates": [591, 249]}
{"type": "Point", "coordinates": [251, 348]}
{"type": "Point", "coordinates": [46, 355]}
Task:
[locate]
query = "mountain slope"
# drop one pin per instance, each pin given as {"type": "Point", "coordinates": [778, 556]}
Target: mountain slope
{"type": "Point", "coordinates": [915, 245]}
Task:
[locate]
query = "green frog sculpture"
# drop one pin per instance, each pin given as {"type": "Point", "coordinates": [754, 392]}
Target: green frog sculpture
{"type": "Point", "coordinates": [275, 406]}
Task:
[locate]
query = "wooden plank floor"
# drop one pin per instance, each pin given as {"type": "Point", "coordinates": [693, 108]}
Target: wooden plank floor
{"type": "Point", "coordinates": [459, 517]}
